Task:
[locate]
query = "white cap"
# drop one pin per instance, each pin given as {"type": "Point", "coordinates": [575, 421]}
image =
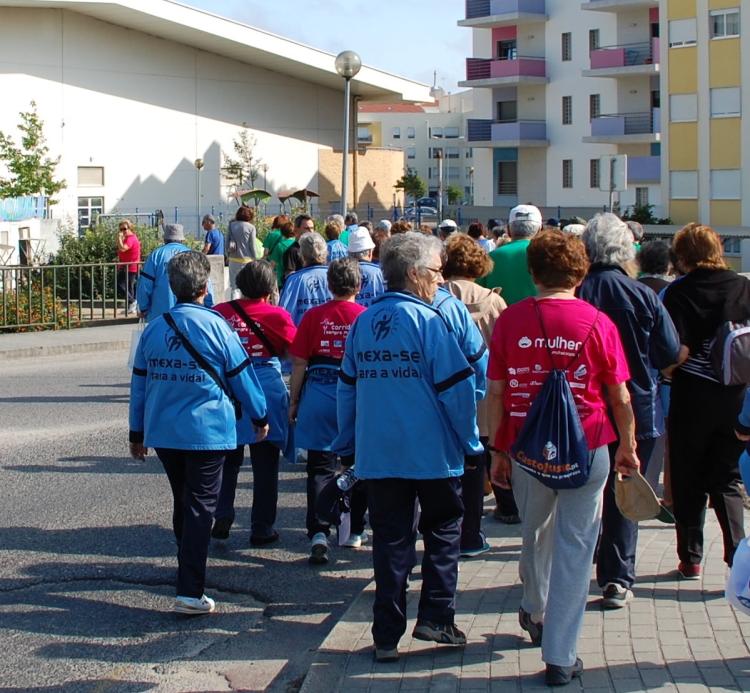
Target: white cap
{"type": "Point", "coordinates": [383, 224]}
{"type": "Point", "coordinates": [525, 213]}
{"type": "Point", "coordinates": [448, 224]}
{"type": "Point", "coordinates": [360, 240]}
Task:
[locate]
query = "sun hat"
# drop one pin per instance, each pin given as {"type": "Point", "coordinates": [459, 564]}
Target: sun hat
{"type": "Point", "coordinates": [174, 232]}
{"type": "Point", "coordinates": [360, 240]}
{"type": "Point", "coordinates": [637, 501]}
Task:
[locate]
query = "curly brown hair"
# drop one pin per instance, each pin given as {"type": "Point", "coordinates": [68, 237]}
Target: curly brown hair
{"type": "Point", "coordinates": [557, 259]}
{"type": "Point", "coordinates": [466, 258]}
{"type": "Point", "coordinates": [278, 220]}
{"type": "Point", "coordinates": [696, 245]}
{"type": "Point", "coordinates": [400, 226]}
{"type": "Point", "coordinates": [245, 213]}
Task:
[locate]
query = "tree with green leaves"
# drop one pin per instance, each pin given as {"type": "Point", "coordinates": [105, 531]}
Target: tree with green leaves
{"type": "Point", "coordinates": [31, 171]}
{"type": "Point", "coordinates": [245, 168]}
{"type": "Point", "coordinates": [453, 193]}
{"type": "Point", "coordinates": [411, 184]}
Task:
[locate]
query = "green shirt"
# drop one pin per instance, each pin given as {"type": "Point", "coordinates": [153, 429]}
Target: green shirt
{"type": "Point", "coordinates": [276, 256]}
{"type": "Point", "coordinates": [270, 240]}
{"type": "Point", "coordinates": [510, 272]}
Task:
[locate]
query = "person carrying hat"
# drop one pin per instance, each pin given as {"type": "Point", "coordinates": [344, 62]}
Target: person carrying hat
{"type": "Point", "coordinates": [360, 249]}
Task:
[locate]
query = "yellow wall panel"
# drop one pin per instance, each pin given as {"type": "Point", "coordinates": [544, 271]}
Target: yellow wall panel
{"type": "Point", "coordinates": [724, 57]}
{"type": "Point", "coordinates": [734, 263]}
{"type": "Point", "coordinates": [726, 143]}
{"type": "Point", "coordinates": [726, 213]}
{"type": "Point", "coordinates": [683, 70]}
{"type": "Point", "coordinates": [680, 9]}
{"type": "Point", "coordinates": [683, 150]}
{"type": "Point", "coordinates": [722, 4]}
{"type": "Point", "coordinates": [683, 211]}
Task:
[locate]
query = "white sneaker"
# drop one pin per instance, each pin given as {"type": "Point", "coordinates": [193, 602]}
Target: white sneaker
{"type": "Point", "coordinates": [133, 307]}
{"type": "Point", "coordinates": [356, 540]}
{"type": "Point", "coordinates": [194, 606]}
{"type": "Point", "coordinates": [319, 549]}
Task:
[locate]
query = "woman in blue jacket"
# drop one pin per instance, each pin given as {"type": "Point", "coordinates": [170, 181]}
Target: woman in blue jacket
{"type": "Point", "coordinates": [191, 381]}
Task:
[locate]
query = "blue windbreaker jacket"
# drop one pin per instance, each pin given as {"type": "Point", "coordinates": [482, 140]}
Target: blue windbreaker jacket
{"type": "Point", "coordinates": [305, 289]}
{"type": "Point", "coordinates": [468, 336]}
{"type": "Point", "coordinates": [373, 284]}
{"type": "Point", "coordinates": [336, 250]}
{"type": "Point", "coordinates": [174, 403]}
{"type": "Point", "coordinates": [152, 291]}
{"type": "Point", "coordinates": [406, 402]}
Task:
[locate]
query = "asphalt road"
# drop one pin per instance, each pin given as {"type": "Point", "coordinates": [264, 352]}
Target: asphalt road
{"type": "Point", "coordinates": [87, 562]}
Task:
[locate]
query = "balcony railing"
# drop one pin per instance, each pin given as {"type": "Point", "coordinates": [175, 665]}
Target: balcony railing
{"type": "Point", "coordinates": [483, 68]}
{"type": "Point", "coordinates": [518, 130]}
{"type": "Point", "coordinates": [628, 55]}
{"type": "Point", "coordinates": [475, 9]}
{"type": "Point", "coordinates": [618, 124]}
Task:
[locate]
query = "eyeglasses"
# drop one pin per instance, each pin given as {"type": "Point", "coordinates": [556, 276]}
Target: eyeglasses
{"type": "Point", "coordinates": [124, 228]}
{"type": "Point", "coordinates": [436, 270]}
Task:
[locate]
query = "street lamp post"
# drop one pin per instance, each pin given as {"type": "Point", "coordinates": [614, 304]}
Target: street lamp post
{"type": "Point", "coordinates": [471, 185]}
{"type": "Point", "coordinates": [348, 64]}
{"type": "Point", "coordinates": [199, 164]}
{"type": "Point", "coordinates": [439, 157]}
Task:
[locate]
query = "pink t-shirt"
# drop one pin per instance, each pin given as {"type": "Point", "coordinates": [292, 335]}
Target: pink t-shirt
{"type": "Point", "coordinates": [274, 321]}
{"type": "Point", "coordinates": [324, 329]}
{"type": "Point", "coordinates": [132, 252]}
{"type": "Point", "coordinates": [519, 357]}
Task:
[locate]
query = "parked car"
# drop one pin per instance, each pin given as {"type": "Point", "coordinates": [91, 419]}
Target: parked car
{"type": "Point", "coordinates": [427, 202]}
{"type": "Point", "coordinates": [425, 213]}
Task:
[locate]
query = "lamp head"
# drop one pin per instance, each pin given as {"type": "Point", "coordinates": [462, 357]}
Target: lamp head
{"type": "Point", "coordinates": [348, 64]}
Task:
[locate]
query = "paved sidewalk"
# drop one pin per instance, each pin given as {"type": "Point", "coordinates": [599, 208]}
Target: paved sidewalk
{"type": "Point", "coordinates": [76, 341]}
{"type": "Point", "coordinates": [675, 636]}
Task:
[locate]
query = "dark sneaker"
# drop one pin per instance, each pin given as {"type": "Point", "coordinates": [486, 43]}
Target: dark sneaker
{"type": "Point", "coordinates": [386, 654]}
{"type": "Point", "coordinates": [221, 528]}
{"type": "Point", "coordinates": [615, 596]}
{"type": "Point", "coordinates": [506, 519]}
{"type": "Point", "coordinates": [472, 553]}
{"type": "Point", "coordinates": [533, 629]}
{"type": "Point", "coordinates": [264, 541]}
{"type": "Point", "coordinates": [444, 634]}
{"type": "Point", "coordinates": [689, 571]}
{"type": "Point", "coordinates": [562, 676]}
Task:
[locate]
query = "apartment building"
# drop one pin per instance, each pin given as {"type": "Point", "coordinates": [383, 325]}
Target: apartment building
{"type": "Point", "coordinates": [706, 57]}
{"type": "Point", "coordinates": [557, 86]}
{"type": "Point", "coordinates": [424, 132]}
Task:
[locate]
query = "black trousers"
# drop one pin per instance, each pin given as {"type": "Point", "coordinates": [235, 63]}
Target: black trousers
{"type": "Point", "coordinates": [321, 468]}
{"type": "Point", "coordinates": [506, 503]}
{"type": "Point", "coordinates": [472, 492]}
{"type": "Point", "coordinates": [264, 458]}
{"type": "Point", "coordinates": [391, 503]}
{"type": "Point", "coordinates": [195, 478]}
{"type": "Point", "coordinates": [703, 457]}
{"type": "Point", "coordinates": [126, 283]}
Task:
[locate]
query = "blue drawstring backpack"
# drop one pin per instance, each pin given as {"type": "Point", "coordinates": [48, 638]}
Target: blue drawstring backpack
{"type": "Point", "coordinates": [551, 445]}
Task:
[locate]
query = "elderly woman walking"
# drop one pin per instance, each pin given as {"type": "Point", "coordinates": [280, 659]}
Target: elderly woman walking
{"type": "Point", "coordinates": [402, 362]}
{"type": "Point", "coordinates": [307, 287]}
{"type": "Point", "coordinates": [703, 449]}
{"type": "Point", "coordinates": [555, 330]}
{"type": "Point", "coordinates": [191, 381]}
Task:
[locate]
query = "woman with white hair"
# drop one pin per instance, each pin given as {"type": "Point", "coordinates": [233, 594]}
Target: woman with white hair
{"type": "Point", "coordinates": [651, 344]}
{"type": "Point", "coordinates": [308, 287]}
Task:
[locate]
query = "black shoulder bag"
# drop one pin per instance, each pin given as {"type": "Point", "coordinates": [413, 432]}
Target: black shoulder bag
{"type": "Point", "coordinates": [254, 325]}
{"type": "Point", "coordinates": [205, 365]}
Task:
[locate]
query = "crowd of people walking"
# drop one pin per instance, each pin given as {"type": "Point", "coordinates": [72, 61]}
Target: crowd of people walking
{"type": "Point", "coordinates": [423, 367]}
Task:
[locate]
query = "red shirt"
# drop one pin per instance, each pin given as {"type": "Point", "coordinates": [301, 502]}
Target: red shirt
{"type": "Point", "coordinates": [324, 329]}
{"type": "Point", "coordinates": [274, 321]}
{"type": "Point", "coordinates": [519, 357]}
{"type": "Point", "coordinates": [132, 253]}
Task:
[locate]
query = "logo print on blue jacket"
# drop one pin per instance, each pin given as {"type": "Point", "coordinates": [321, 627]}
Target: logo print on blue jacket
{"type": "Point", "coordinates": [173, 341]}
{"type": "Point", "coordinates": [382, 325]}
{"type": "Point", "coordinates": [314, 285]}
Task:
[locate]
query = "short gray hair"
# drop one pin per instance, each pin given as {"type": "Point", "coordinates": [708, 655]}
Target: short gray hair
{"type": "Point", "coordinates": [362, 255]}
{"type": "Point", "coordinates": [336, 219]}
{"type": "Point", "coordinates": [608, 240]}
{"type": "Point", "coordinates": [523, 228]}
{"type": "Point", "coordinates": [188, 275]}
{"type": "Point", "coordinates": [344, 277]}
{"type": "Point", "coordinates": [313, 248]}
{"type": "Point", "coordinates": [405, 251]}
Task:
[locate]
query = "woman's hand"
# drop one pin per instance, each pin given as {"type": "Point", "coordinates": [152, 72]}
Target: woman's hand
{"type": "Point", "coordinates": [626, 460]}
{"type": "Point", "coordinates": [261, 432]}
{"type": "Point", "coordinates": [500, 471]}
{"type": "Point", "coordinates": [293, 406]}
{"type": "Point", "coordinates": [138, 451]}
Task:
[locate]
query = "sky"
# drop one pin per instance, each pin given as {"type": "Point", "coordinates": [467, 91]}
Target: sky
{"type": "Point", "coordinates": [409, 38]}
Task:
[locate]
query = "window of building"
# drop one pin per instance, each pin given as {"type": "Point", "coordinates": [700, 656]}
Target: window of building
{"type": "Point", "coordinates": [726, 185]}
{"type": "Point", "coordinates": [410, 134]}
{"type": "Point", "coordinates": [90, 176]}
{"type": "Point", "coordinates": [594, 173]}
{"type": "Point", "coordinates": [732, 246]}
{"type": "Point", "coordinates": [593, 39]}
{"type": "Point", "coordinates": [725, 23]}
{"type": "Point", "coordinates": [411, 152]}
{"type": "Point", "coordinates": [595, 106]}
{"type": "Point", "coordinates": [683, 108]}
{"type": "Point", "coordinates": [452, 172]}
{"type": "Point", "coordinates": [725, 102]}
{"type": "Point", "coordinates": [89, 208]}
{"type": "Point", "coordinates": [469, 152]}
{"type": "Point", "coordinates": [683, 185]}
{"type": "Point", "coordinates": [452, 153]}
{"type": "Point", "coordinates": [451, 132]}
{"type": "Point", "coordinates": [364, 136]}
{"type": "Point", "coordinates": [567, 173]}
{"type": "Point", "coordinates": [567, 110]}
{"type": "Point", "coordinates": [641, 197]}
{"type": "Point", "coordinates": [396, 133]}
{"type": "Point", "coordinates": [682, 32]}
{"type": "Point", "coordinates": [507, 178]}
{"type": "Point", "coordinates": [567, 46]}
{"type": "Point", "coordinates": [435, 152]}
{"type": "Point", "coordinates": [507, 111]}
{"type": "Point", "coordinates": [432, 172]}
{"type": "Point", "coordinates": [436, 132]}
{"type": "Point", "coordinates": [507, 50]}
